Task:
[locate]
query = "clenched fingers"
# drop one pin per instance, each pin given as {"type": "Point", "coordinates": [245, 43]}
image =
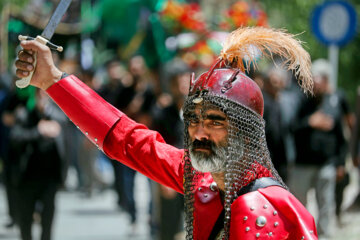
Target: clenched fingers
{"type": "Point", "coordinates": [23, 68]}
{"type": "Point", "coordinates": [21, 73]}
{"type": "Point", "coordinates": [25, 56]}
{"type": "Point", "coordinates": [24, 63]}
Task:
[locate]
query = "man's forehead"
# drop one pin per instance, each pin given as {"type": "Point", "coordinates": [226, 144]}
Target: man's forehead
{"type": "Point", "coordinates": [208, 110]}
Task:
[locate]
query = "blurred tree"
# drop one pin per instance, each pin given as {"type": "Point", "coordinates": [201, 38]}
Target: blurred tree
{"type": "Point", "coordinates": [19, 3]}
{"type": "Point", "coordinates": [5, 9]}
{"type": "Point", "coordinates": [295, 16]}
{"type": "Point", "coordinates": [125, 26]}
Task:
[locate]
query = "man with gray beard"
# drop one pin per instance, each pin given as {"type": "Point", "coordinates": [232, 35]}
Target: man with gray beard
{"type": "Point", "coordinates": [231, 188]}
{"type": "Point", "coordinates": [208, 162]}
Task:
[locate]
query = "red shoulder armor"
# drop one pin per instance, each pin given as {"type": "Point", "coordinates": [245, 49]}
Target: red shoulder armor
{"type": "Point", "coordinates": [86, 109]}
{"type": "Point", "coordinates": [270, 213]}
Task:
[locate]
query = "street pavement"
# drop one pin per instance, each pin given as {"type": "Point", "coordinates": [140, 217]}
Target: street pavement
{"type": "Point", "coordinates": [98, 218]}
{"type": "Point", "coordinates": [349, 228]}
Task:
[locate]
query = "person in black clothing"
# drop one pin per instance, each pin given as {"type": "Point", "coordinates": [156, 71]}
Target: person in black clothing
{"type": "Point", "coordinates": [11, 103]}
{"type": "Point", "coordinates": [321, 150]}
{"type": "Point", "coordinates": [36, 149]}
{"type": "Point", "coordinates": [342, 176]}
{"type": "Point", "coordinates": [5, 121]}
{"type": "Point", "coordinates": [355, 149]}
{"type": "Point", "coordinates": [110, 91]}
{"type": "Point", "coordinates": [133, 93]}
{"type": "Point", "coordinates": [169, 123]}
{"type": "Point", "coordinates": [136, 99]}
{"type": "Point", "coordinates": [274, 82]}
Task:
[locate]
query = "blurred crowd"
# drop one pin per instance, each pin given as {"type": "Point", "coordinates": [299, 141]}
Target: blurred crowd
{"type": "Point", "coordinates": [308, 139]}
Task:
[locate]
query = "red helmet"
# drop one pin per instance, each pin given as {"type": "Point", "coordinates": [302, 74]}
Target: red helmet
{"type": "Point", "coordinates": [230, 83]}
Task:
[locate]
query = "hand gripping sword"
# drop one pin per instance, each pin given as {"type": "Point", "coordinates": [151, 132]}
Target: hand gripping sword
{"type": "Point", "coordinates": [45, 37]}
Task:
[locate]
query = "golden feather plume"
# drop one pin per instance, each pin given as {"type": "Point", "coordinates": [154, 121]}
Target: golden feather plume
{"type": "Point", "coordinates": [240, 44]}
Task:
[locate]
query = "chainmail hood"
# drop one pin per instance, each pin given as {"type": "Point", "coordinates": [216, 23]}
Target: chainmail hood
{"type": "Point", "coordinates": [225, 87]}
{"type": "Point", "coordinates": [247, 154]}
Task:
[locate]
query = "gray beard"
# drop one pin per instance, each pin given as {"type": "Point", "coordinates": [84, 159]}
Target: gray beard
{"type": "Point", "coordinates": [215, 162]}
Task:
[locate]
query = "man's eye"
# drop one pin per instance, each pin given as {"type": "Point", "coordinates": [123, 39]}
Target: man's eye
{"type": "Point", "coordinates": [216, 123]}
{"type": "Point", "coordinates": [194, 121]}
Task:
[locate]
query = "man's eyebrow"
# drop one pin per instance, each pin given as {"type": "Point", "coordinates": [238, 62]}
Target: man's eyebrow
{"type": "Point", "coordinates": [213, 116]}
{"type": "Point", "coordinates": [192, 115]}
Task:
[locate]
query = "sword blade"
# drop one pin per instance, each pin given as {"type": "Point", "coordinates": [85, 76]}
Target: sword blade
{"type": "Point", "coordinates": [55, 19]}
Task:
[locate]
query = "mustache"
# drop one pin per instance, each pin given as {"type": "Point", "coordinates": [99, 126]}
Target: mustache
{"type": "Point", "coordinates": [202, 144]}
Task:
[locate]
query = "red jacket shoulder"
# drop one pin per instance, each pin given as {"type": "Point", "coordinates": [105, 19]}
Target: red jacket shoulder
{"type": "Point", "coordinates": [270, 213]}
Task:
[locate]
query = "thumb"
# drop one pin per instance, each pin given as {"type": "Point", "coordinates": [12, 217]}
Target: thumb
{"type": "Point", "coordinates": [33, 45]}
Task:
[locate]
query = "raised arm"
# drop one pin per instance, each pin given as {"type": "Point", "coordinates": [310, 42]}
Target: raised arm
{"type": "Point", "coordinates": [111, 130]}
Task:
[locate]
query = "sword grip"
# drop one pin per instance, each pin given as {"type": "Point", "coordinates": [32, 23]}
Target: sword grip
{"type": "Point", "coordinates": [24, 82]}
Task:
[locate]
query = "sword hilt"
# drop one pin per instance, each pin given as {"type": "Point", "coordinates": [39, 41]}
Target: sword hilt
{"type": "Point", "coordinates": [24, 82]}
{"type": "Point", "coordinates": [43, 41]}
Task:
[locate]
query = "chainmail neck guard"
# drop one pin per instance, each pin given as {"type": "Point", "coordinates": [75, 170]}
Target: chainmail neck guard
{"type": "Point", "coordinates": [247, 157]}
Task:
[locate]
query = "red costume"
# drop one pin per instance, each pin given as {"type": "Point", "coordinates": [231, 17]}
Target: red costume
{"type": "Point", "coordinates": [268, 213]}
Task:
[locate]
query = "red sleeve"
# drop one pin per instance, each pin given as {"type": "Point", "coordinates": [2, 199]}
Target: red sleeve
{"type": "Point", "coordinates": [285, 217]}
{"type": "Point", "coordinates": [145, 151]}
{"type": "Point", "coordinates": [87, 110]}
{"type": "Point", "coordinates": [120, 137]}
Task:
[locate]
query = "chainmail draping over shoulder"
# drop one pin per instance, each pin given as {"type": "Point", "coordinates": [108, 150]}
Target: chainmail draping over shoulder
{"type": "Point", "coordinates": [247, 154]}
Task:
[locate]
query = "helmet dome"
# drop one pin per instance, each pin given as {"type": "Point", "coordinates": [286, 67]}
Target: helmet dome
{"type": "Point", "coordinates": [232, 84]}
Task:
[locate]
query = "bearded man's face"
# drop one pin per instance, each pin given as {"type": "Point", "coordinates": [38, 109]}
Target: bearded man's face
{"type": "Point", "coordinates": [208, 131]}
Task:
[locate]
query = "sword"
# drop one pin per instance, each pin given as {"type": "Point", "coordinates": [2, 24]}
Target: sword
{"type": "Point", "coordinates": [45, 37]}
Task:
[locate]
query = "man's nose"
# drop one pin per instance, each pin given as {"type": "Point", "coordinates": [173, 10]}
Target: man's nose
{"type": "Point", "coordinates": [201, 133]}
